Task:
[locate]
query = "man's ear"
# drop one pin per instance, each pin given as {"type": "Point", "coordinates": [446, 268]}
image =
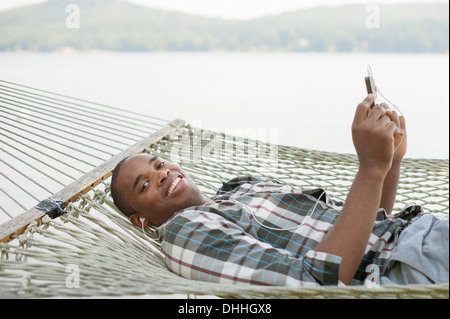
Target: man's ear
{"type": "Point", "coordinates": [135, 219]}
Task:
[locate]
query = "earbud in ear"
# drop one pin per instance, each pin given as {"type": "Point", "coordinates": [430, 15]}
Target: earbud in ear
{"type": "Point", "coordinates": [142, 219]}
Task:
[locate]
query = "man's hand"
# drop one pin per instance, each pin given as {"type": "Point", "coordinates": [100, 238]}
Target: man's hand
{"type": "Point", "coordinates": [400, 136]}
{"type": "Point", "coordinates": [375, 135]}
{"type": "Point", "coordinates": [400, 146]}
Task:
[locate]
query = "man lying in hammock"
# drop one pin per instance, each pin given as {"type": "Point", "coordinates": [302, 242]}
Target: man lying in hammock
{"type": "Point", "coordinates": [258, 231]}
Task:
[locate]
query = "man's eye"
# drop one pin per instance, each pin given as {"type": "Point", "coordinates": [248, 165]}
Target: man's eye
{"type": "Point", "coordinates": [161, 165]}
{"type": "Point", "coordinates": [144, 186]}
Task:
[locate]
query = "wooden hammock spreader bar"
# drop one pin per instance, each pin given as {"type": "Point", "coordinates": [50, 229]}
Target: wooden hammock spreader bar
{"type": "Point", "coordinates": [18, 225]}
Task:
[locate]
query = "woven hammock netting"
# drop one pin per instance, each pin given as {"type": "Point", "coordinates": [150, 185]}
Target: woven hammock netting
{"type": "Point", "coordinates": [49, 141]}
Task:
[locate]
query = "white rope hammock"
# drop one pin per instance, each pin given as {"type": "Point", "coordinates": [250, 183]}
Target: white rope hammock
{"type": "Point", "coordinates": [92, 250]}
{"type": "Point", "coordinates": [50, 140]}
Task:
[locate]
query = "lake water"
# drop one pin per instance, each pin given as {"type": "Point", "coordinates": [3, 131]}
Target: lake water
{"type": "Point", "coordinates": [305, 100]}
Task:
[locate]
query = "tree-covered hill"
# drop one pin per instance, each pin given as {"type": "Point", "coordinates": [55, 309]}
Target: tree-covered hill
{"type": "Point", "coordinates": [119, 25]}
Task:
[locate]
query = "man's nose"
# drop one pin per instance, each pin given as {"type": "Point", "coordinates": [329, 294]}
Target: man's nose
{"type": "Point", "coordinates": [162, 175]}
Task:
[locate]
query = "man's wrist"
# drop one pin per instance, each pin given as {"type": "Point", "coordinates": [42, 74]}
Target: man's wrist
{"type": "Point", "coordinates": [396, 162]}
{"type": "Point", "coordinates": [373, 173]}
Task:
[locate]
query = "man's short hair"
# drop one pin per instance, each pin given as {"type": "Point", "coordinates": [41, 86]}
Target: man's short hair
{"type": "Point", "coordinates": [117, 194]}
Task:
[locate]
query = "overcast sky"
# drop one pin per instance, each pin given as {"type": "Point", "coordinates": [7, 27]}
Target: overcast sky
{"type": "Point", "coordinates": [231, 9]}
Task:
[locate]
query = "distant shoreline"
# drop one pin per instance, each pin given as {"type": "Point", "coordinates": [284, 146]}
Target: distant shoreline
{"type": "Point", "coordinates": [122, 26]}
{"type": "Point", "coordinates": [69, 51]}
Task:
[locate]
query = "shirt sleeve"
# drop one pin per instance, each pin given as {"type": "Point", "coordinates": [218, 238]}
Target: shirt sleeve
{"type": "Point", "coordinates": [207, 247]}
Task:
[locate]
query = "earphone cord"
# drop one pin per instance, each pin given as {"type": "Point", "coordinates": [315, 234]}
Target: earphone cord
{"type": "Point", "coordinates": [158, 253]}
{"type": "Point", "coordinates": [401, 113]}
{"type": "Point", "coordinates": [142, 227]}
{"type": "Point", "coordinates": [369, 71]}
{"type": "Point", "coordinates": [291, 228]}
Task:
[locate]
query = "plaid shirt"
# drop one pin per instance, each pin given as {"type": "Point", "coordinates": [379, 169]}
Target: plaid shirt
{"type": "Point", "coordinates": [261, 232]}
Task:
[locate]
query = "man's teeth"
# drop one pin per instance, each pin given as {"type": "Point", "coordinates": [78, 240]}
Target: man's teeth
{"type": "Point", "coordinates": [174, 184]}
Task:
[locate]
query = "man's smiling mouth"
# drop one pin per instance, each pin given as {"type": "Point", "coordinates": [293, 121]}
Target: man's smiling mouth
{"type": "Point", "coordinates": [174, 184]}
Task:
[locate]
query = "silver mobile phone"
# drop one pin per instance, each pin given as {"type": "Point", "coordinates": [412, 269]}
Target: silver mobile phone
{"type": "Point", "coordinates": [370, 85]}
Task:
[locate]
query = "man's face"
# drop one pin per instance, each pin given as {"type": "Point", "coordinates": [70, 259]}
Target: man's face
{"type": "Point", "coordinates": [155, 188]}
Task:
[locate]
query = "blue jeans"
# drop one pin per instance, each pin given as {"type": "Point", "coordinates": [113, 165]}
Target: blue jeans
{"type": "Point", "coordinates": [422, 253]}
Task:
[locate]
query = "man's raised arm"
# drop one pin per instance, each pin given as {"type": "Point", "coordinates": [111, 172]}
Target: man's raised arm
{"type": "Point", "coordinates": [373, 137]}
